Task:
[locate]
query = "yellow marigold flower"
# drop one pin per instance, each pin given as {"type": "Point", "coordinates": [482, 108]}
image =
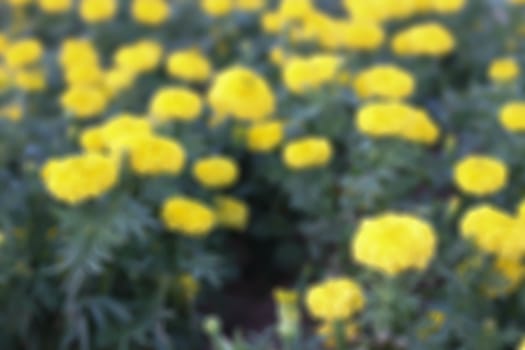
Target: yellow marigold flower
{"type": "Point", "coordinates": [30, 80]}
{"type": "Point", "coordinates": [428, 39]}
{"type": "Point", "coordinates": [189, 64]}
{"type": "Point", "coordinates": [308, 152]}
{"type": "Point", "coordinates": [393, 119]}
{"type": "Point", "coordinates": [84, 74]}
{"type": "Point", "coordinates": [84, 102]}
{"type": "Point", "coordinates": [93, 11]}
{"type": "Point", "coordinates": [272, 22]}
{"type": "Point", "coordinates": [12, 112]}
{"type": "Point", "coordinates": [393, 243]}
{"type": "Point", "coordinates": [335, 299]}
{"type": "Point", "coordinates": [265, 137]}
{"type": "Point", "coordinates": [467, 175]}
{"type": "Point", "coordinates": [250, 5]}
{"type": "Point", "coordinates": [118, 79]}
{"type": "Point", "coordinates": [175, 103]}
{"type": "Point", "coordinates": [76, 179]}
{"type": "Point", "coordinates": [156, 155]}
{"type": "Point", "coordinates": [448, 6]}
{"type": "Point", "coordinates": [55, 6]}
{"type": "Point", "coordinates": [512, 116]}
{"type": "Point", "coordinates": [361, 35]}
{"type": "Point", "coordinates": [188, 216]}
{"type": "Point", "coordinates": [384, 80]}
{"type": "Point", "coordinates": [216, 171]}
{"type": "Point", "coordinates": [150, 12]}
{"type": "Point", "coordinates": [77, 51]}
{"type": "Point", "coordinates": [328, 331]}
{"type": "Point", "coordinates": [23, 53]}
{"type": "Point", "coordinates": [232, 213]}
{"type": "Point", "coordinates": [139, 57]}
{"type": "Point", "coordinates": [122, 130]}
{"type": "Point", "coordinates": [296, 9]}
{"type": "Point", "coordinates": [241, 93]}
{"type": "Point", "coordinates": [301, 74]}
{"type": "Point", "coordinates": [92, 140]}
{"type": "Point", "coordinates": [216, 8]}
{"type": "Point", "coordinates": [504, 70]}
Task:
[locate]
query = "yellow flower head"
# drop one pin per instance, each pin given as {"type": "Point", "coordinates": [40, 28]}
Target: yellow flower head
{"type": "Point", "coordinates": [78, 51]}
{"type": "Point", "coordinates": [394, 119]}
{"type": "Point", "coordinates": [386, 81]}
{"type": "Point", "coordinates": [150, 12]}
{"type": "Point", "coordinates": [76, 179]}
{"type": "Point", "coordinates": [93, 11]}
{"type": "Point", "coordinates": [189, 64]}
{"type": "Point", "coordinates": [307, 153]}
{"type": "Point", "coordinates": [216, 8]}
{"type": "Point", "coordinates": [175, 103]}
{"type": "Point", "coordinates": [30, 80]}
{"type": "Point", "coordinates": [84, 74]}
{"type": "Point", "coordinates": [359, 35]}
{"type": "Point", "coordinates": [480, 175]}
{"type": "Point", "coordinates": [84, 101]}
{"type": "Point", "coordinates": [23, 53]}
{"type": "Point", "coordinates": [216, 171]}
{"type": "Point", "coordinates": [393, 243]}
{"type": "Point", "coordinates": [139, 57]}
{"type": "Point", "coordinates": [296, 9]}
{"type": "Point", "coordinates": [188, 216]}
{"type": "Point", "coordinates": [303, 74]}
{"type": "Point", "coordinates": [512, 116]}
{"type": "Point", "coordinates": [155, 155]}
{"type": "Point", "coordinates": [428, 39]}
{"type": "Point", "coordinates": [232, 213]}
{"type": "Point", "coordinates": [265, 137]}
{"type": "Point", "coordinates": [55, 6]}
{"type": "Point", "coordinates": [335, 299]}
{"type": "Point", "coordinates": [241, 93]}
{"type": "Point", "coordinates": [504, 70]}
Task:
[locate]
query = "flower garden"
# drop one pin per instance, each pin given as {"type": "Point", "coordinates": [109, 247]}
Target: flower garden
{"type": "Point", "coordinates": [262, 174]}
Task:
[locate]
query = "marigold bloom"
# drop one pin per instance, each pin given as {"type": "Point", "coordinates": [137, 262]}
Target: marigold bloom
{"type": "Point", "coordinates": [307, 153]}
{"type": "Point", "coordinates": [232, 213]}
{"type": "Point", "coordinates": [265, 137]}
{"type": "Point", "coordinates": [188, 216]}
{"type": "Point", "coordinates": [512, 116]}
{"type": "Point", "coordinates": [139, 57]}
{"type": "Point", "coordinates": [77, 51]}
{"type": "Point", "coordinates": [480, 175]}
{"type": "Point", "coordinates": [241, 93]}
{"type": "Point", "coordinates": [393, 243]}
{"type": "Point", "coordinates": [303, 74]}
{"type": "Point", "coordinates": [504, 70]}
{"type": "Point", "coordinates": [428, 39]}
{"type": "Point", "coordinates": [216, 8]}
{"type": "Point", "coordinates": [175, 103]}
{"type": "Point", "coordinates": [93, 11]}
{"type": "Point", "coordinates": [84, 101]}
{"type": "Point", "coordinates": [155, 155]}
{"type": "Point", "coordinates": [386, 81]}
{"type": "Point", "coordinates": [30, 80]}
{"type": "Point", "coordinates": [216, 171]}
{"type": "Point", "coordinates": [189, 64]}
{"type": "Point", "coordinates": [150, 12]}
{"type": "Point", "coordinates": [76, 179]}
{"type": "Point", "coordinates": [23, 53]}
{"type": "Point", "coordinates": [335, 299]}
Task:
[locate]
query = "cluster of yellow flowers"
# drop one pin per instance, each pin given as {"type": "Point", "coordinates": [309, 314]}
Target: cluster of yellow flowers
{"type": "Point", "coordinates": [393, 243]}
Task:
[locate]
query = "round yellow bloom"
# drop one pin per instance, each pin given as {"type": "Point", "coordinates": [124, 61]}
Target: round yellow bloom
{"type": "Point", "coordinates": [296, 9]}
{"type": "Point", "coordinates": [232, 213]}
{"type": "Point", "coordinates": [265, 137]}
{"type": "Point", "coordinates": [360, 35]}
{"type": "Point", "coordinates": [150, 12]}
{"type": "Point", "coordinates": [216, 171]}
{"type": "Point", "coordinates": [241, 93]}
{"type": "Point", "coordinates": [84, 102]}
{"type": "Point", "coordinates": [77, 51]}
{"type": "Point", "coordinates": [250, 5]}
{"type": "Point", "coordinates": [190, 65]}
{"type": "Point", "coordinates": [393, 119]}
{"type": "Point", "coordinates": [428, 39]}
{"type": "Point", "coordinates": [84, 74]}
{"type": "Point", "coordinates": [118, 134]}
{"type": "Point", "coordinates": [76, 179]}
{"type": "Point", "coordinates": [30, 80]}
{"type": "Point", "coordinates": [156, 155]}
{"type": "Point", "coordinates": [272, 22]}
{"type": "Point", "coordinates": [55, 6]}
{"type": "Point", "coordinates": [93, 11]}
{"type": "Point", "coordinates": [175, 103]}
{"type": "Point", "coordinates": [92, 140]}
{"type": "Point", "coordinates": [504, 70]}
{"type": "Point", "coordinates": [23, 53]}
{"type": "Point", "coordinates": [480, 175]}
{"type": "Point", "coordinates": [387, 81]}
{"type": "Point", "coordinates": [307, 153]}
{"type": "Point", "coordinates": [139, 57]}
{"type": "Point", "coordinates": [512, 116]}
{"type": "Point", "coordinates": [188, 216]}
{"type": "Point", "coordinates": [335, 299]}
{"type": "Point", "coordinates": [216, 8]}
{"type": "Point", "coordinates": [303, 74]}
{"type": "Point", "coordinates": [393, 243]}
